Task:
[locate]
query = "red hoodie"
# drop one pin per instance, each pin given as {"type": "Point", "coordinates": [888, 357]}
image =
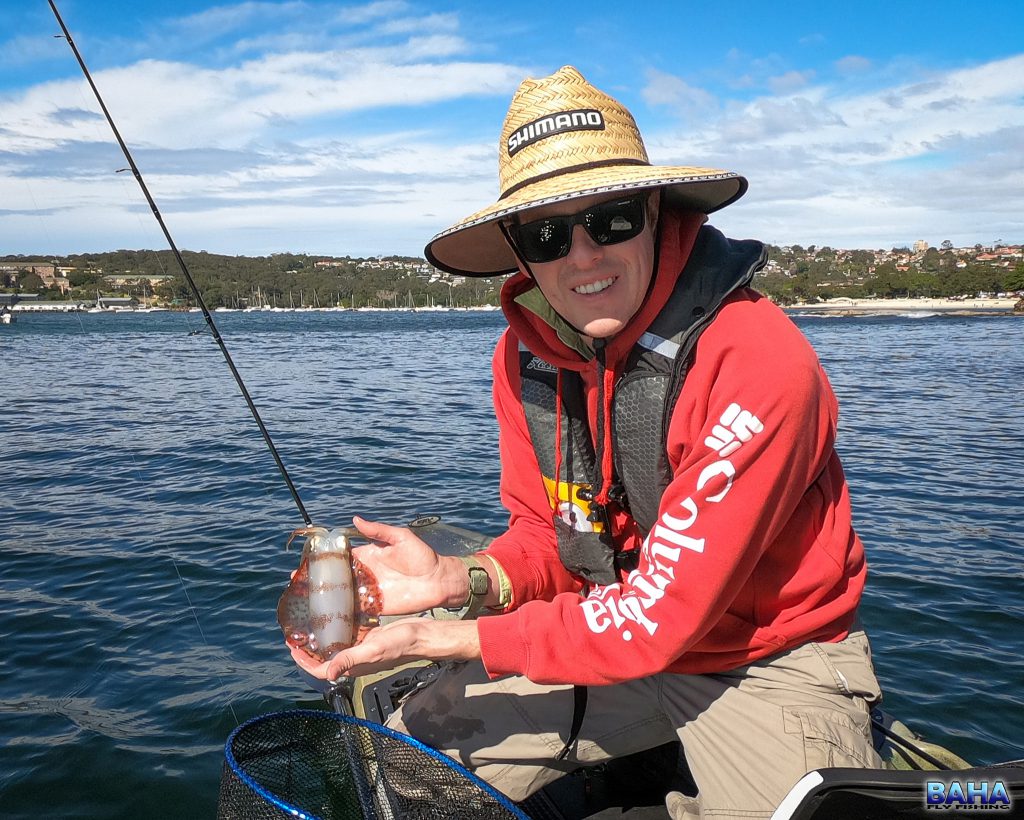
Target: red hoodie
{"type": "Point", "coordinates": [753, 551]}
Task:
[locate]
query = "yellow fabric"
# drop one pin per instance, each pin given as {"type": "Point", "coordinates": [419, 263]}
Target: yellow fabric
{"type": "Point", "coordinates": [504, 587]}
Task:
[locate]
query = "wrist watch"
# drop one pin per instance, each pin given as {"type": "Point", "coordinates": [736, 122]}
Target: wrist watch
{"type": "Point", "coordinates": [478, 586]}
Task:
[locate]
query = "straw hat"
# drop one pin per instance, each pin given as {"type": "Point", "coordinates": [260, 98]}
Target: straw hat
{"type": "Point", "coordinates": [564, 139]}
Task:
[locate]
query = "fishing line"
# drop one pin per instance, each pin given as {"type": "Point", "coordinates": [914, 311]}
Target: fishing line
{"type": "Point", "coordinates": [195, 616]}
{"type": "Point", "coordinates": [177, 570]}
{"type": "Point", "coordinates": [214, 332]}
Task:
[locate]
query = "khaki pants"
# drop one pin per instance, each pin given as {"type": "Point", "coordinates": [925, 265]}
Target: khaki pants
{"type": "Point", "coordinates": [748, 734]}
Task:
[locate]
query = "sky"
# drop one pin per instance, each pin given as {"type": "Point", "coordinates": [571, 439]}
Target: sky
{"type": "Point", "coordinates": [365, 128]}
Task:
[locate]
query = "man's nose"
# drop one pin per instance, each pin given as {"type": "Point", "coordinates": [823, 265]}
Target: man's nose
{"type": "Point", "coordinates": [584, 251]}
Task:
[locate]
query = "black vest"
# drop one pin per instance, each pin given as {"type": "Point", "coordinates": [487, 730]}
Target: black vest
{"type": "Point", "coordinates": [644, 397]}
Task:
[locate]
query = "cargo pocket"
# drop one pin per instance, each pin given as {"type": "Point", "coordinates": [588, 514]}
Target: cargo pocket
{"type": "Point", "coordinates": [830, 738]}
{"type": "Point", "coordinates": [848, 664]}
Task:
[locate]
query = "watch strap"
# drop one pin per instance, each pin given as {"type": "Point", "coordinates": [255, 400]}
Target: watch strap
{"type": "Point", "coordinates": [479, 583]}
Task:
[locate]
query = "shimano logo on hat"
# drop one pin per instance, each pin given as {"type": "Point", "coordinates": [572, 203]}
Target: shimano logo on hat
{"type": "Point", "coordinates": [584, 119]}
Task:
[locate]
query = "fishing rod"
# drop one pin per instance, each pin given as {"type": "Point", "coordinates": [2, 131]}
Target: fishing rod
{"type": "Point", "coordinates": [185, 271]}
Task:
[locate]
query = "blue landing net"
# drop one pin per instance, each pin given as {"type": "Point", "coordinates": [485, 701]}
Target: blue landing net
{"type": "Point", "coordinates": [321, 765]}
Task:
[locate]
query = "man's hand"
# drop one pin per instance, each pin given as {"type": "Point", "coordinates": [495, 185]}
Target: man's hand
{"type": "Point", "coordinates": [411, 576]}
{"type": "Point", "coordinates": [396, 643]}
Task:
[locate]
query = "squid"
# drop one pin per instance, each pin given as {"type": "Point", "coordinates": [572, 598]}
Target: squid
{"type": "Point", "coordinates": [333, 600]}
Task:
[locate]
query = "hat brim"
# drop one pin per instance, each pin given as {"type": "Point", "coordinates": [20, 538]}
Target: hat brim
{"type": "Point", "coordinates": [476, 247]}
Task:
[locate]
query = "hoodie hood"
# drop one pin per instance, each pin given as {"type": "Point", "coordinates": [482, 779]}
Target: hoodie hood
{"type": "Point", "coordinates": [547, 335]}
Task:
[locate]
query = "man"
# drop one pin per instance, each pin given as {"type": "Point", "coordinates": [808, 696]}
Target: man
{"type": "Point", "coordinates": [679, 539]}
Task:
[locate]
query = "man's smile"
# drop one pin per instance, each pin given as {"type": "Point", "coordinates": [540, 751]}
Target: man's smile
{"type": "Point", "coordinates": [595, 287]}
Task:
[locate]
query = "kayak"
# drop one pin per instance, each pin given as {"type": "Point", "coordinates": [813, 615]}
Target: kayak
{"type": "Point", "coordinates": [919, 777]}
{"type": "Point", "coordinates": [345, 763]}
{"type": "Point", "coordinates": [635, 787]}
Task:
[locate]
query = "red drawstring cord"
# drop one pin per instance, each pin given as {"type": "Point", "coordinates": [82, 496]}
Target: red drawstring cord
{"type": "Point", "coordinates": [605, 386]}
{"type": "Point", "coordinates": [558, 439]}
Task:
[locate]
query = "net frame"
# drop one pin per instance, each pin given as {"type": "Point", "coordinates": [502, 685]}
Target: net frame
{"type": "Point", "coordinates": [238, 769]}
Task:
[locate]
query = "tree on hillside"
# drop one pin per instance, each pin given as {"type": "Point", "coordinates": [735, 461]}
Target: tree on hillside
{"type": "Point", "coordinates": [31, 282]}
{"type": "Point", "coordinates": [931, 260]}
{"type": "Point", "coordinates": [981, 279]}
{"type": "Point", "coordinates": [82, 278]}
{"type": "Point", "coordinates": [861, 258]}
{"type": "Point", "coordinates": [1014, 280]}
{"type": "Point", "coordinates": [889, 283]}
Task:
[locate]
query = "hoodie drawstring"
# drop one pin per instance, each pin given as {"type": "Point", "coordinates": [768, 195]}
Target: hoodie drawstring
{"type": "Point", "coordinates": [558, 440]}
{"type": "Point", "coordinates": [605, 388]}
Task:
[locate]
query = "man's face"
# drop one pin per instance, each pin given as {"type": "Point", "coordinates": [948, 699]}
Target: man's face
{"type": "Point", "coordinates": [597, 288]}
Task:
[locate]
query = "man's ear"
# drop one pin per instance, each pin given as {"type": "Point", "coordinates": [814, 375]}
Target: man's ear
{"type": "Point", "coordinates": [654, 206]}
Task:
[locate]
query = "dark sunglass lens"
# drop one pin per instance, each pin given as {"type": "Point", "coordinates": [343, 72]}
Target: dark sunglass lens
{"type": "Point", "coordinates": [543, 240]}
{"type": "Point", "coordinates": [616, 221]}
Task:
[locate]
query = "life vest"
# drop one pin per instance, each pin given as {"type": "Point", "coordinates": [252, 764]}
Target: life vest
{"type": "Point", "coordinates": [644, 397]}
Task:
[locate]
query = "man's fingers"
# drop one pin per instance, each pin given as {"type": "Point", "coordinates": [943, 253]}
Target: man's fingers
{"type": "Point", "coordinates": [325, 670]}
{"type": "Point", "coordinates": [338, 667]}
{"type": "Point", "coordinates": [308, 663]}
{"type": "Point", "coordinates": [376, 531]}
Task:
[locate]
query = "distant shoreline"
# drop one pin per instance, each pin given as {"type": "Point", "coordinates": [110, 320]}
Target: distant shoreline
{"type": "Point", "coordinates": [80, 307]}
{"type": "Point", "coordinates": [843, 306]}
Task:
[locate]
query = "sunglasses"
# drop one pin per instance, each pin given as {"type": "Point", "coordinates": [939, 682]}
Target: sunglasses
{"type": "Point", "coordinates": [607, 223]}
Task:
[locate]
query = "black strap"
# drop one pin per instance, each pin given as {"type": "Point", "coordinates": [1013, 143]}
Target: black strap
{"type": "Point", "coordinates": [579, 709]}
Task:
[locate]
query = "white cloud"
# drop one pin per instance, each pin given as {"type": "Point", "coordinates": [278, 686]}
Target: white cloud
{"type": "Point", "coordinates": [831, 167]}
{"type": "Point", "coordinates": [767, 118]}
{"type": "Point", "coordinates": [218, 20]}
{"type": "Point", "coordinates": [348, 136]}
{"type": "Point", "coordinates": [24, 50]}
{"type": "Point", "coordinates": [852, 64]}
{"type": "Point", "coordinates": [429, 22]}
{"type": "Point", "coordinates": [232, 153]}
{"type": "Point", "coordinates": [674, 92]}
{"type": "Point", "coordinates": [790, 81]}
{"type": "Point", "coordinates": [370, 12]}
{"type": "Point", "coordinates": [174, 104]}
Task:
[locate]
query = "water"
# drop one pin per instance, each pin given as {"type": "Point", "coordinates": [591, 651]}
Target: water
{"type": "Point", "coordinates": [142, 522]}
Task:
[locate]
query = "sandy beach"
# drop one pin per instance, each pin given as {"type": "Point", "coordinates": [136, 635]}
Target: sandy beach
{"type": "Point", "coordinates": [859, 307]}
